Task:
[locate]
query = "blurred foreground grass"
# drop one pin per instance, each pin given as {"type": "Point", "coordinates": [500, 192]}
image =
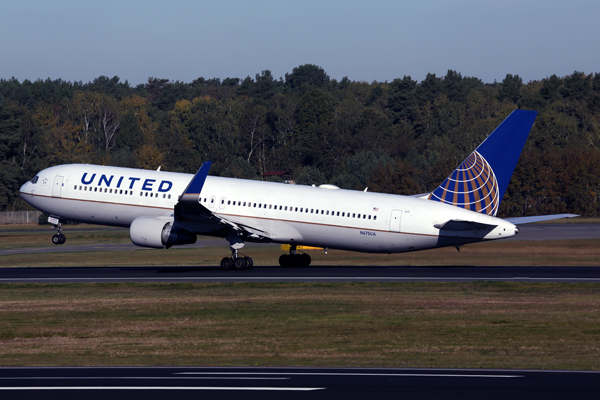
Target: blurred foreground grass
{"type": "Point", "coordinates": [458, 325]}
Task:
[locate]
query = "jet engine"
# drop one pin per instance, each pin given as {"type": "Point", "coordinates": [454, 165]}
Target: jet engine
{"type": "Point", "coordinates": [158, 233]}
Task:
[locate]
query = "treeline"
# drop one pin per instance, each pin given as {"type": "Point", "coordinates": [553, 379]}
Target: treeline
{"type": "Point", "coordinates": [400, 137]}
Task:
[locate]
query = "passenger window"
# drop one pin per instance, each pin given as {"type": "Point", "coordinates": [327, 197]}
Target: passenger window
{"type": "Point", "coordinates": [369, 217]}
{"type": "Point", "coordinates": [311, 210]}
{"type": "Point", "coordinates": [95, 189]}
{"type": "Point", "coordinates": [270, 205]}
{"type": "Point", "coordinates": [169, 196]}
{"type": "Point", "coordinates": [297, 209]}
{"type": "Point", "coordinates": [343, 214]}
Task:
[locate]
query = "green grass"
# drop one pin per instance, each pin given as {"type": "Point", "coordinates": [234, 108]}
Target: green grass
{"type": "Point", "coordinates": [521, 253]}
{"type": "Point", "coordinates": [462, 325]}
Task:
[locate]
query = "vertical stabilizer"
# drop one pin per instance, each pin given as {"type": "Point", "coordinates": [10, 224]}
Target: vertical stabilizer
{"type": "Point", "coordinates": [479, 182]}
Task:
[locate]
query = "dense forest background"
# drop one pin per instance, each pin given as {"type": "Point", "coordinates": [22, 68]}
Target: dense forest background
{"type": "Point", "coordinates": [400, 137]}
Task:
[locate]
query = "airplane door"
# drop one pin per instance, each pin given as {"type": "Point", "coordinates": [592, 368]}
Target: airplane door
{"type": "Point", "coordinates": [222, 203]}
{"type": "Point", "coordinates": [213, 200]}
{"type": "Point", "coordinates": [57, 186]}
{"type": "Point", "coordinates": [395, 220]}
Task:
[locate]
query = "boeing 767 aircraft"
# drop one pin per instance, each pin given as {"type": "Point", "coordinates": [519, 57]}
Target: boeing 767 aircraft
{"type": "Point", "coordinates": [164, 209]}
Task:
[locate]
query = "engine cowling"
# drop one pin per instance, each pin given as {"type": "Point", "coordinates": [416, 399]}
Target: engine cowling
{"type": "Point", "coordinates": [158, 233]}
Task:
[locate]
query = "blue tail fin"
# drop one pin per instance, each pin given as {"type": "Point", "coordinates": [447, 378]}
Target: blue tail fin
{"type": "Point", "coordinates": [479, 183]}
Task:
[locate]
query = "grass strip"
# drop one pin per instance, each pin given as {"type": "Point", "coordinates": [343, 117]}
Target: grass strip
{"type": "Point", "coordinates": [521, 253]}
{"type": "Point", "coordinates": [452, 325]}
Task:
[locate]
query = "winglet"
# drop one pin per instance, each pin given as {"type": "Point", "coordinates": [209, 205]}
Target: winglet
{"type": "Point", "coordinates": [195, 186]}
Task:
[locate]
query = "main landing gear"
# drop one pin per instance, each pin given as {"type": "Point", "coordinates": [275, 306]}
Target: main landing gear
{"type": "Point", "coordinates": [293, 259]}
{"type": "Point", "coordinates": [58, 238]}
{"type": "Point", "coordinates": [236, 261]}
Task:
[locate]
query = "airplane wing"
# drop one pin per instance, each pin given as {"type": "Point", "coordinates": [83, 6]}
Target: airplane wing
{"type": "Point", "coordinates": [538, 218]}
{"type": "Point", "coordinates": [189, 209]}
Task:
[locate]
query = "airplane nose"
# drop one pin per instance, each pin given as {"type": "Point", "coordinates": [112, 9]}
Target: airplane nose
{"type": "Point", "coordinates": [25, 189]}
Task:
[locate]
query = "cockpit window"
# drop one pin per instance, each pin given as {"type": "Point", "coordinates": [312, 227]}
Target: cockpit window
{"type": "Point", "coordinates": [35, 179]}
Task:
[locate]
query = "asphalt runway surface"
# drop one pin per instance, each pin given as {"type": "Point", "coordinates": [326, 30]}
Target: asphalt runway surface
{"type": "Point", "coordinates": [294, 383]}
{"type": "Point", "coordinates": [310, 274]}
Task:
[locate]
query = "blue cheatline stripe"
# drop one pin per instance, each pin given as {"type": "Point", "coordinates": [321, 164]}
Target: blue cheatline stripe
{"type": "Point", "coordinates": [195, 186]}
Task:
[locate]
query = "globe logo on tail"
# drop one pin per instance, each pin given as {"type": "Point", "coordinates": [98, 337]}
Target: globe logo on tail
{"type": "Point", "coordinates": [473, 186]}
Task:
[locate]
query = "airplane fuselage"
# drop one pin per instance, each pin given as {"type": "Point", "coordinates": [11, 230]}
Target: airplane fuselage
{"type": "Point", "coordinates": [290, 214]}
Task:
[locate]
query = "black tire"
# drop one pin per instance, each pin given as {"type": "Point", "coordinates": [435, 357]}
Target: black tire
{"type": "Point", "coordinates": [56, 239]}
{"type": "Point", "coordinates": [250, 262]}
{"type": "Point", "coordinates": [285, 260]}
{"type": "Point", "coordinates": [305, 259]}
{"type": "Point", "coordinates": [226, 263]}
{"type": "Point", "coordinates": [63, 238]}
{"type": "Point", "coordinates": [240, 263]}
{"type": "Point", "coordinates": [297, 261]}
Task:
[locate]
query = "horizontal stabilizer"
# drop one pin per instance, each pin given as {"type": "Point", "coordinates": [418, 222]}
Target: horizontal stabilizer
{"type": "Point", "coordinates": [538, 218]}
{"type": "Point", "coordinates": [458, 225]}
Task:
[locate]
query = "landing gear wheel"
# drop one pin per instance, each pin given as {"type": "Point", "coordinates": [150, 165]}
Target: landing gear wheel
{"type": "Point", "coordinates": [226, 263]}
{"type": "Point", "coordinates": [285, 260]}
{"type": "Point", "coordinates": [240, 263]}
{"type": "Point", "coordinates": [297, 260]}
{"type": "Point", "coordinates": [59, 238]}
{"type": "Point", "coordinates": [250, 262]}
{"type": "Point", "coordinates": [305, 259]}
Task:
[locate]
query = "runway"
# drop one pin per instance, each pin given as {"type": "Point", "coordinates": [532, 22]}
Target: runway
{"type": "Point", "coordinates": [310, 274]}
{"type": "Point", "coordinates": [294, 383]}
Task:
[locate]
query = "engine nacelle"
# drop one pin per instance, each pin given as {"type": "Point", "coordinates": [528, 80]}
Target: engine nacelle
{"type": "Point", "coordinates": [158, 233]}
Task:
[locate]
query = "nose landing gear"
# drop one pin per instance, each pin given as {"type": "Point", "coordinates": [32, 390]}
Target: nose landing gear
{"type": "Point", "coordinates": [58, 238]}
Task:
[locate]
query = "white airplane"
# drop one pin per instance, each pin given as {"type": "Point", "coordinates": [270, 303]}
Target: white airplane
{"type": "Point", "coordinates": [163, 209]}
